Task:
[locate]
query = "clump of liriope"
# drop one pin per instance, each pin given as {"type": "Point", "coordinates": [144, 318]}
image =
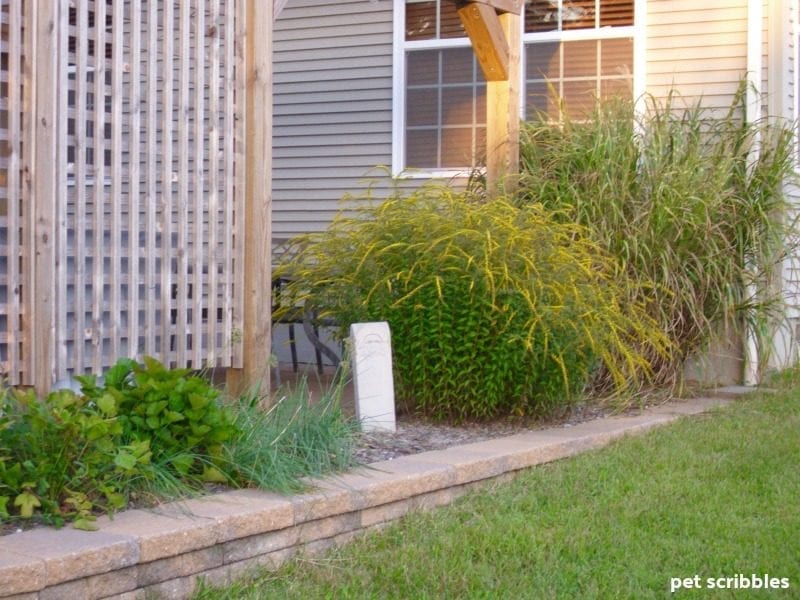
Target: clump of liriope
{"type": "Point", "coordinates": [688, 201]}
{"type": "Point", "coordinates": [494, 309]}
{"type": "Point", "coordinates": [297, 437]}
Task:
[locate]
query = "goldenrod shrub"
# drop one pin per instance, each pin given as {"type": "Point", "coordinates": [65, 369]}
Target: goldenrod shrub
{"type": "Point", "coordinates": [494, 309]}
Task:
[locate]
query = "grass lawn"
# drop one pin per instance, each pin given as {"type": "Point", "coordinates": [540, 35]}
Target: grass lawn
{"type": "Point", "coordinates": [712, 496]}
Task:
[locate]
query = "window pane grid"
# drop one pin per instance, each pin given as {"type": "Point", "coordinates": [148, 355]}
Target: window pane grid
{"type": "Point", "coordinates": [432, 20]}
{"type": "Point", "coordinates": [576, 72]}
{"type": "Point", "coordinates": [445, 109]}
{"type": "Point", "coordinates": [574, 50]}
{"type": "Point", "coordinates": [569, 15]}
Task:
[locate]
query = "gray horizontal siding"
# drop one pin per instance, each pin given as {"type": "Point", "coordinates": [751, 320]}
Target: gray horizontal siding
{"type": "Point", "coordinates": [332, 108]}
{"type": "Point", "coordinates": [696, 48]}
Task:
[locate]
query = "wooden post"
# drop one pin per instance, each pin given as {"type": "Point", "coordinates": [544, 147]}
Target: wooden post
{"type": "Point", "coordinates": [503, 116]}
{"type": "Point", "coordinates": [44, 198]}
{"type": "Point", "coordinates": [258, 199]}
{"type": "Point", "coordinates": [493, 27]}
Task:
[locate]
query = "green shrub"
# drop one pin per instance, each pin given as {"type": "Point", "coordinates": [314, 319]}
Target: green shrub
{"type": "Point", "coordinates": [676, 195]}
{"type": "Point", "coordinates": [150, 433]}
{"type": "Point", "coordinates": [61, 457]}
{"type": "Point", "coordinates": [177, 413]}
{"type": "Point", "coordinates": [493, 309]}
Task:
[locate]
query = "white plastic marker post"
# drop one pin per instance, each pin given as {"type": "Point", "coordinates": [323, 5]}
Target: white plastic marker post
{"type": "Point", "coordinates": [372, 375]}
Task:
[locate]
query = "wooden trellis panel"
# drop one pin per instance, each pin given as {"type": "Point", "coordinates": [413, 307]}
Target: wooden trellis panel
{"type": "Point", "coordinates": [147, 232]}
{"type": "Point", "coordinates": [15, 237]}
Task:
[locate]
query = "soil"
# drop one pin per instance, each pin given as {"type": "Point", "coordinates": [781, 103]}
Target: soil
{"type": "Point", "coordinates": [416, 435]}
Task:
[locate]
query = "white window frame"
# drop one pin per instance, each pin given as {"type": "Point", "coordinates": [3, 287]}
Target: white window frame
{"type": "Point", "coordinates": [400, 46]}
{"type": "Point", "coordinates": [399, 96]}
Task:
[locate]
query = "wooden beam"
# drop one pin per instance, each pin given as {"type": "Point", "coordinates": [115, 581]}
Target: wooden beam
{"type": "Point", "coordinates": [483, 27]}
{"type": "Point", "coordinates": [502, 6]}
{"type": "Point", "coordinates": [44, 197]}
{"type": "Point", "coordinates": [258, 199]}
{"type": "Point", "coordinates": [503, 115]}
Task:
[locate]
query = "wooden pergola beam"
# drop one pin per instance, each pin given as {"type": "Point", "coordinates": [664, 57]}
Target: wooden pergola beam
{"type": "Point", "coordinates": [482, 24]}
{"type": "Point", "coordinates": [501, 6]}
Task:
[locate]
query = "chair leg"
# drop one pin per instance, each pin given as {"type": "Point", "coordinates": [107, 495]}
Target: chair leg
{"type": "Point", "coordinates": [320, 366]}
{"type": "Point", "coordinates": [277, 370]}
{"type": "Point", "coordinates": [293, 347]}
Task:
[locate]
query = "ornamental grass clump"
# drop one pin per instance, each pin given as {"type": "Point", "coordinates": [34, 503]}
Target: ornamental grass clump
{"type": "Point", "coordinates": [687, 200]}
{"type": "Point", "coordinates": [494, 309]}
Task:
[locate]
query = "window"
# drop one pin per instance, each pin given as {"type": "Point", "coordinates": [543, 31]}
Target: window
{"type": "Point", "coordinates": [576, 49]}
{"type": "Point", "coordinates": [445, 108]}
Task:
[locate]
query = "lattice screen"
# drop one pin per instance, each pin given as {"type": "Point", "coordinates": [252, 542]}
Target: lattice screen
{"type": "Point", "coordinates": [14, 235]}
{"type": "Point", "coordinates": [148, 243]}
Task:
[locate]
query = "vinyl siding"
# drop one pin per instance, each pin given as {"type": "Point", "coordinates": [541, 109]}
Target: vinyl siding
{"type": "Point", "coordinates": [786, 72]}
{"type": "Point", "coordinates": [697, 48]}
{"type": "Point", "coordinates": [332, 107]}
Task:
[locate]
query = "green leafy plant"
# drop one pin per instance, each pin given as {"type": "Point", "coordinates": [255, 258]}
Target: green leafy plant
{"type": "Point", "coordinates": [687, 200]}
{"type": "Point", "coordinates": [178, 414]}
{"type": "Point", "coordinates": [493, 309]}
{"type": "Point", "coordinates": [60, 456]}
{"type": "Point", "coordinates": [152, 433]}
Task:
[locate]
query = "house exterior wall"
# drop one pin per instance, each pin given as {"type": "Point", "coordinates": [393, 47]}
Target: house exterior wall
{"type": "Point", "coordinates": [333, 107]}
{"type": "Point", "coordinates": [782, 86]}
{"type": "Point", "coordinates": [696, 48]}
{"type": "Point", "coordinates": [333, 90]}
{"type": "Point", "coordinates": [333, 95]}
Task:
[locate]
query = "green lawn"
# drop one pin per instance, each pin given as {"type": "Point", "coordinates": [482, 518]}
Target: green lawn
{"type": "Point", "coordinates": [711, 496]}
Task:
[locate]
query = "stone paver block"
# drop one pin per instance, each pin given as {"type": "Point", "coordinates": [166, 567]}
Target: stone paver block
{"type": "Point", "coordinates": [386, 512]}
{"type": "Point", "coordinates": [70, 554]}
{"type": "Point", "coordinates": [511, 453]}
{"type": "Point", "coordinates": [19, 574]}
{"type": "Point", "coordinates": [243, 513]}
{"type": "Point", "coordinates": [219, 577]}
{"type": "Point", "coordinates": [397, 479]}
{"type": "Point", "coordinates": [542, 448]}
{"type": "Point", "coordinates": [695, 406]}
{"type": "Point", "coordinates": [329, 497]}
{"type": "Point", "coordinates": [174, 589]}
{"type": "Point", "coordinates": [180, 566]}
{"type": "Point", "coordinates": [317, 547]}
{"type": "Point", "coordinates": [431, 475]}
{"type": "Point", "coordinates": [92, 588]}
{"type": "Point", "coordinates": [252, 566]}
{"type": "Point", "coordinates": [469, 463]}
{"type": "Point", "coordinates": [257, 545]}
{"type": "Point", "coordinates": [605, 429]}
{"type": "Point", "coordinates": [134, 595]}
{"type": "Point", "coordinates": [161, 536]}
{"type": "Point", "coordinates": [328, 527]}
{"type": "Point", "coordinates": [437, 498]}
{"type": "Point", "coordinates": [732, 392]}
